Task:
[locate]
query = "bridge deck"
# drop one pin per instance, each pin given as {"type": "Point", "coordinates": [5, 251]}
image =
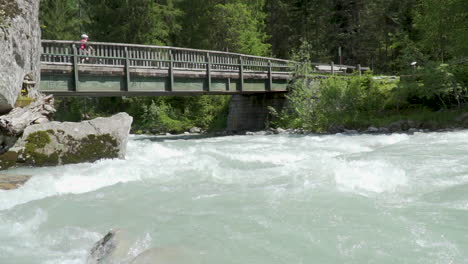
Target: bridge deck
{"type": "Point", "coordinates": [113, 69]}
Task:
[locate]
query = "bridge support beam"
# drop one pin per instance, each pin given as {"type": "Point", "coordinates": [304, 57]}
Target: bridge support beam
{"type": "Point", "coordinates": [250, 112]}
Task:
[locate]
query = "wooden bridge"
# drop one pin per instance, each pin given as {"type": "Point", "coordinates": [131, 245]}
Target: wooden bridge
{"type": "Point", "coordinates": [113, 69]}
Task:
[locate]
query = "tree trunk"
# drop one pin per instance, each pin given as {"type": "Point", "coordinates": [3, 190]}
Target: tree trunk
{"type": "Point", "coordinates": [39, 111]}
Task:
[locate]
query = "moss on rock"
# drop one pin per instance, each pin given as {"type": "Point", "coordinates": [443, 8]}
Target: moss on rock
{"type": "Point", "coordinates": [35, 142]}
{"type": "Point", "coordinates": [91, 148]}
{"type": "Point", "coordinates": [8, 160]}
{"type": "Point", "coordinates": [87, 149]}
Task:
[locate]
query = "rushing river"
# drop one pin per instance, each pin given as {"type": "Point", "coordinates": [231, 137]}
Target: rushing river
{"type": "Point", "coordinates": [253, 200]}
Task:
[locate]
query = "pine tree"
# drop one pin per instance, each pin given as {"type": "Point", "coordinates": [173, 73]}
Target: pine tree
{"type": "Point", "coordinates": [61, 19]}
{"type": "Point", "coordinates": [235, 29]}
{"type": "Point", "coordinates": [137, 21]}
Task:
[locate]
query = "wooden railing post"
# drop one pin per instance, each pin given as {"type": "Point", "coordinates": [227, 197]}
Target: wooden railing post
{"type": "Point", "coordinates": [359, 69]}
{"type": "Point", "coordinates": [208, 70]}
{"type": "Point", "coordinates": [75, 68]}
{"type": "Point", "coordinates": [127, 71]}
{"type": "Point", "coordinates": [241, 73]}
{"type": "Point", "coordinates": [332, 64]}
{"type": "Point", "coordinates": [270, 77]}
{"type": "Point", "coordinates": [171, 71]}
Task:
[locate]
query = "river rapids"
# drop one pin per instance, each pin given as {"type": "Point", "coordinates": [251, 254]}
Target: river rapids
{"type": "Point", "coordinates": [252, 200]}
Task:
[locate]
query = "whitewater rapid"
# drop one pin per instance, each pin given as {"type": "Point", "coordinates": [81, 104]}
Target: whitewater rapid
{"type": "Point", "coordinates": [253, 199]}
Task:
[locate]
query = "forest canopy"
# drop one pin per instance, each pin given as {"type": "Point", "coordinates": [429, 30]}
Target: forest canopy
{"type": "Point", "coordinates": [385, 34]}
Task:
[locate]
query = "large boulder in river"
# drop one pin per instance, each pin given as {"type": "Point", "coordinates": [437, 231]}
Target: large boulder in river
{"type": "Point", "coordinates": [20, 46]}
{"type": "Point", "coordinates": [57, 143]}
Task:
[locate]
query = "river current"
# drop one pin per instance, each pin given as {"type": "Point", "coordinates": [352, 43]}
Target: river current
{"type": "Point", "coordinates": [252, 200]}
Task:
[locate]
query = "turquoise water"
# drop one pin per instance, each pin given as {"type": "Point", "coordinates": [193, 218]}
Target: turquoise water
{"type": "Point", "coordinates": [253, 199]}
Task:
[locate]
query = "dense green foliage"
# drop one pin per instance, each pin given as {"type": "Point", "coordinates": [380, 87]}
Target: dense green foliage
{"type": "Point", "coordinates": [152, 114]}
{"type": "Point", "coordinates": [387, 35]}
{"type": "Point", "coordinates": [60, 19]}
{"type": "Point", "coordinates": [357, 102]}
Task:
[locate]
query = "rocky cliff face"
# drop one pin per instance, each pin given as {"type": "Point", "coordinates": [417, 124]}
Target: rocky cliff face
{"type": "Point", "coordinates": [20, 47]}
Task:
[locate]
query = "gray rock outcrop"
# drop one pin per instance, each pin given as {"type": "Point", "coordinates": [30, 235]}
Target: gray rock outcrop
{"type": "Point", "coordinates": [195, 130]}
{"type": "Point", "coordinates": [20, 45]}
{"type": "Point", "coordinates": [57, 143]}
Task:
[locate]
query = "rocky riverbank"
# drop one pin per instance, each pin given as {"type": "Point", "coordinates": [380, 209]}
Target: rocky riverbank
{"type": "Point", "coordinates": [401, 126]}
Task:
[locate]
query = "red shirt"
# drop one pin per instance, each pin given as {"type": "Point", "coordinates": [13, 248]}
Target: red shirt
{"type": "Point", "coordinates": [83, 44]}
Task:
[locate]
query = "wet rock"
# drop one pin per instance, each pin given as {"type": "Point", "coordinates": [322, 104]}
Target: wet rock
{"type": "Point", "coordinates": [372, 129]}
{"type": "Point", "coordinates": [281, 130]}
{"type": "Point", "coordinates": [220, 133]}
{"type": "Point", "coordinates": [258, 133]}
{"type": "Point", "coordinates": [351, 131]}
{"type": "Point", "coordinates": [277, 131]}
{"type": "Point", "coordinates": [412, 124]}
{"type": "Point", "coordinates": [300, 131]}
{"type": "Point", "coordinates": [6, 142]}
{"type": "Point", "coordinates": [384, 130]}
{"type": "Point", "coordinates": [195, 130]}
{"type": "Point", "coordinates": [112, 248]}
{"type": "Point", "coordinates": [430, 125]}
{"type": "Point", "coordinates": [10, 182]}
{"type": "Point", "coordinates": [412, 130]}
{"type": "Point", "coordinates": [398, 126]}
{"type": "Point", "coordinates": [333, 129]}
{"type": "Point", "coordinates": [115, 248]}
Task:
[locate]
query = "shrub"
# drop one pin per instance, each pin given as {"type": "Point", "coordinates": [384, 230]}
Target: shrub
{"type": "Point", "coordinates": [435, 85]}
{"type": "Point", "coordinates": [318, 104]}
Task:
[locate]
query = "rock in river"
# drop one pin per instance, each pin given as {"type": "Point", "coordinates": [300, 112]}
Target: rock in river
{"type": "Point", "coordinates": [57, 143]}
{"type": "Point", "coordinates": [10, 182]}
{"type": "Point", "coordinates": [115, 248]}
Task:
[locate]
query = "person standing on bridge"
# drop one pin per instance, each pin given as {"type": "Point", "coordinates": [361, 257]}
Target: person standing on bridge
{"type": "Point", "coordinates": [84, 47]}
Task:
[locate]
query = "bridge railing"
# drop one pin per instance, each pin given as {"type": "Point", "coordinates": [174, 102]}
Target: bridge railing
{"type": "Point", "coordinates": [116, 54]}
{"type": "Point", "coordinates": [163, 57]}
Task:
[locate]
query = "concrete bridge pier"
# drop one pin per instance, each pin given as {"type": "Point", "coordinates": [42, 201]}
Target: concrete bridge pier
{"type": "Point", "coordinates": [250, 112]}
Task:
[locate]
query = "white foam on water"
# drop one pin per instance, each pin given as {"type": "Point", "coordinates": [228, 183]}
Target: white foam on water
{"type": "Point", "coordinates": [369, 176]}
{"type": "Point", "coordinates": [22, 235]}
{"type": "Point", "coordinates": [82, 178]}
{"type": "Point", "coordinates": [68, 179]}
{"type": "Point", "coordinates": [268, 173]}
{"type": "Point", "coordinates": [140, 245]}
